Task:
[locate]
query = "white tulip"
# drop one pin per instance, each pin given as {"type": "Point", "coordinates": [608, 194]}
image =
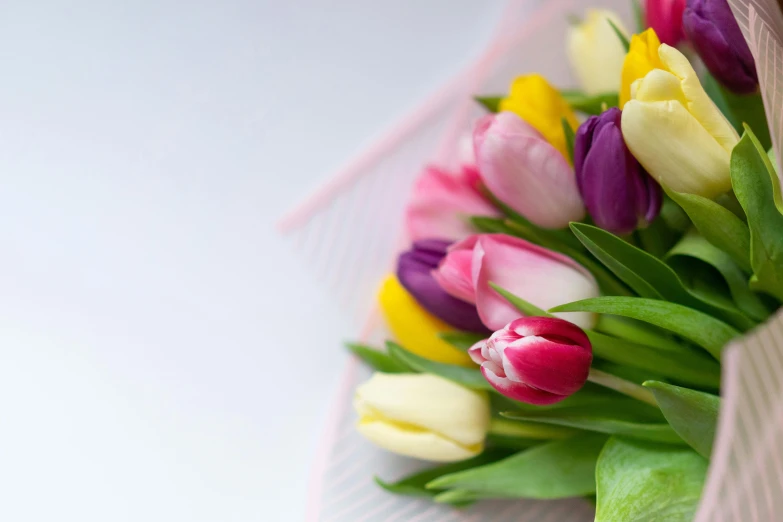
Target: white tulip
{"type": "Point", "coordinates": [422, 416]}
{"type": "Point", "coordinates": [596, 53]}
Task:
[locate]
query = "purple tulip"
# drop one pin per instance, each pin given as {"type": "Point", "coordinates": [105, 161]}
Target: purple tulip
{"type": "Point", "coordinates": [617, 191]}
{"type": "Point", "coordinates": [414, 271]}
{"type": "Point", "coordinates": [716, 36]}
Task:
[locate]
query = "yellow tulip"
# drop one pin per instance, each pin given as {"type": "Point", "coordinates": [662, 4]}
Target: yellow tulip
{"type": "Point", "coordinates": [675, 130]}
{"type": "Point", "coordinates": [415, 328]}
{"type": "Point", "coordinates": [422, 416]}
{"type": "Point", "coordinates": [642, 58]}
{"type": "Point", "coordinates": [534, 100]}
{"type": "Point", "coordinates": [595, 52]}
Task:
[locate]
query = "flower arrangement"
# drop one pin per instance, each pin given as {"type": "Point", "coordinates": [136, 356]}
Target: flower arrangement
{"type": "Point", "coordinates": [558, 318]}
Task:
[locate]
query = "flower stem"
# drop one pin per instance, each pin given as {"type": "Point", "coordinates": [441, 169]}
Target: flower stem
{"type": "Point", "coordinates": [530, 430]}
{"type": "Point", "coordinates": [621, 385]}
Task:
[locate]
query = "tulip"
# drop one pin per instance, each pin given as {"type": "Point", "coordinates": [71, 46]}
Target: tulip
{"type": "Point", "coordinates": [716, 36]}
{"type": "Point", "coordinates": [441, 204]}
{"type": "Point", "coordinates": [422, 416]}
{"type": "Point", "coordinates": [665, 17]}
{"type": "Point", "coordinates": [617, 191]}
{"type": "Point", "coordinates": [537, 275]}
{"type": "Point", "coordinates": [538, 360]}
{"type": "Point", "coordinates": [675, 130]}
{"type": "Point", "coordinates": [642, 58]}
{"type": "Point", "coordinates": [595, 52]}
{"type": "Point", "coordinates": [414, 271]}
{"type": "Point", "coordinates": [415, 328]}
{"type": "Point", "coordinates": [525, 172]}
{"type": "Point", "coordinates": [534, 100]}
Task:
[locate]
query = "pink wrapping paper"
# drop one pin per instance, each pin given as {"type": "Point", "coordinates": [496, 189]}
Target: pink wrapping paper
{"type": "Point", "coordinates": [348, 230]}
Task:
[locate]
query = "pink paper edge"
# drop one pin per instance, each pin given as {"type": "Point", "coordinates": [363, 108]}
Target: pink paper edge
{"type": "Point", "coordinates": [354, 168]}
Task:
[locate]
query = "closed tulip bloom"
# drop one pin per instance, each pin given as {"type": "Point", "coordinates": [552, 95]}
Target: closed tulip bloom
{"type": "Point", "coordinates": [665, 17]}
{"type": "Point", "coordinates": [442, 202]}
{"type": "Point", "coordinates": [414, 271]}
{"type": "Point", "coordinates": [422, 416]}
{"type": "Point", "coordinates": [617, 191]}
{"type": "Point", "coordinates": [642, 58]}
{"type": "Point", "coordinates": [675, 130]}
{"type": "Point", "coordinates": [415, 328]}
{"type": "Point", "coordinates": [524, 171]}
{"type": "Point", "coordinates": [716, 36]}
{"type": "Point", "coordinates": [595, 52]}
{"type": "Point", "coordinates": [537, 360]}
{"type": "Point", "coordinates": [537, 275]}
{"type": "Point", "coordinates": [534, 100]}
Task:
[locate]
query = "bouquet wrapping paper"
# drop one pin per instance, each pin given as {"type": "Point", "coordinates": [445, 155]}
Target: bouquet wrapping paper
{"type": "Point", "coordinates": [346, 230]}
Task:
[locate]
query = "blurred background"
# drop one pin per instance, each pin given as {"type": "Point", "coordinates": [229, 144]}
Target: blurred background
{"type": "Point", "coordinates": [164, 354]}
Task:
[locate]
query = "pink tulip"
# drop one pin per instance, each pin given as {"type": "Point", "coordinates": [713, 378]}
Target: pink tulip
{"type": "Point", "coordinates": [525, 171]}
{"type": "Point", "coordinates": [538, 360]}
{"type": "Point", "coordinates": [665, 17]}
{"type": "Point", "coordinates": [442, 203]}
{"type": "Point", "coordinates": [537, 275]}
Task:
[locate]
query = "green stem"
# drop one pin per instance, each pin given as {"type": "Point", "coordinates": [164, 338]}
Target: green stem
{"type": "Point", "coordinates": [621, 385]}
{"type": "Point", "coordinates": [530, 430]}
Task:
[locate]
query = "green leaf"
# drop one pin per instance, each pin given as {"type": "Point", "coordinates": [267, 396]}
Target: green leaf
{"type": "Point", "coordinates": [718, 225]}
{"type": "Point", "coordinates": [491, 103]}
{"type": "Point", "coordinates": [692, 414]}
{"type": "Point", "coordinates": [683, 364]}
{"type": "Point", "coordinates": [557, 469]}
{"type": "Point", "coordinates": [652, 278]}
{"type": "Point", "coordinates": [414, 485]}
{"type": "Point", "coordinates": [644, 481]}
{"type": "Point", "coordinates": [462, 340]}
{"type": "Point", "coordinates": [748, 109]}
{"type": "Point", "coordinates": [591, 104]}
{"type": "Point", "coordinates": [696, 247]}
{"type": "Point", "coordinates": [620, 35]}
{"type": "Point", "coordinates": [659, 432]}
{"type": "Point", "coordinates": [569, 137]}
{"type": "Point", "coordinates": [377, 359]}
{"type": "Point", "coordinates": [702, 329]}
{"type": "Point", "coordinates": [756, 187]}
{"type": "Point", "coordinates": [470, 377]}
{"type": "Point", "coordinates": [638, 16]}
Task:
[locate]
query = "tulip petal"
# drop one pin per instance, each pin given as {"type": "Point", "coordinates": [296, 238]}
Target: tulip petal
{"type": "Point", "coordinates": [540, 276]}
{"type": "Point", "coordinates": [440, 203]}
{"type": "Point", "coordinates": [415, 328]}
{"type": "Point", "coordinates": [550, 366]}
{"type": "Point", "coordinates": [519, 391]}
{"type": "Point", "coordinates": [675, 148]}
{"type": "Point", "coordinates": [527, 174]}
{"type": "Point", "coordinates": [423, 445]}
{"type": "Point", "coordinates": [454, 275]}
{"type": "Point", "coordinates": [546, 327]}
{"type": "Point", "coordinates": [699, 103]}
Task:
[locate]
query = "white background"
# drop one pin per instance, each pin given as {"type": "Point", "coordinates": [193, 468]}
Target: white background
{"type": "Point", "coordinates": [162, 354]}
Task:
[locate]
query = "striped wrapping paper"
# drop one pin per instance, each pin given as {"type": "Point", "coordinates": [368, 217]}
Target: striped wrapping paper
{"type": "Point", "coordinates": [348, 229]}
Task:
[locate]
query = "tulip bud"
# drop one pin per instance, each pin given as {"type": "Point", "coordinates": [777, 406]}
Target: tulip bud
{"type": "Point", "coordinates": [675, 130]}
{"type": "Point", "coordinates": [422, 416]}
{"type": "Point", "coordinates": [534, 100]}
{"type": "Point", "coordinates": [617, 191]}
{"type": "Point", "coordinates": [537, 275]}
{"type": "Point", "coordinates": [595, 52]}
{"type": "Point", "coordinates": [525, 172]}
{"type": "Point", "coordinates": [665, 17]}
{"type": "Point", "coordinates": [414, 270]}
{"type": "Point", "coordinates": [716, 36]}
{"type": "Point", "coordinates": [642, 58]}
{"type": "Point", "coordinates": [415, 328]}
{"type": "Point", "coordinates": [442, 202]}
{"type": "Point", "coordinates": [538, 360]}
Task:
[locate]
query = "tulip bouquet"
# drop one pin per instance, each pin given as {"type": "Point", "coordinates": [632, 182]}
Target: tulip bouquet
{"type": "Point", "coordinates": [558, 318]}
